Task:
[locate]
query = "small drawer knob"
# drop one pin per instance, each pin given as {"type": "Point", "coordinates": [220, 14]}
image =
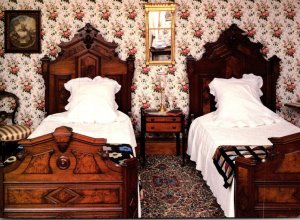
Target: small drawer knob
{"type": "Point", "coordinates": [174, 127]}
{"type": "Point", "coordinates": [174, 119]}
{"type": "Point", "coordinates": [152, 127]}
{"type": "Point", "coordinates": [152, 119]}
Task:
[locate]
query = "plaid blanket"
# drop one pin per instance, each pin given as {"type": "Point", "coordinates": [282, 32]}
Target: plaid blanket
{"type": "Point", "coordinates": [225, 155]}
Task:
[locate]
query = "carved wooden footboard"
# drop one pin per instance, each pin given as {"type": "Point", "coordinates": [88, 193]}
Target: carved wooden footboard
{"type": "Point", "coordinates": [67, 175]}
{"type": "Point", "coordinates": [270, 188]}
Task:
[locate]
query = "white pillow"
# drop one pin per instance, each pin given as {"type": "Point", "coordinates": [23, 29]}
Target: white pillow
{"type": "Point", "coordinates": [255, 79]}
{"type": "Point", "coordinates": [109, 81]}
{"type": "Point", "coordinates": [73, 86]}
{"type": "Point", "coordinates": [254, 84]}
{"type": "Point", "coordinates": [239, 104]}
{"type": "Point", "coordinates": [114, 84]}
{"type": "Point", "coordinates": [92, 101]}
{"type": "Point", "coordinates": [73, 83]}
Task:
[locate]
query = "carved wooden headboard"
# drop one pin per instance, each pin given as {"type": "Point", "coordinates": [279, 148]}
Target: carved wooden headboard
{"type": "Point", "coordinates": [86, 55]}
{"type": "Point", "coordinates": [232, 55]}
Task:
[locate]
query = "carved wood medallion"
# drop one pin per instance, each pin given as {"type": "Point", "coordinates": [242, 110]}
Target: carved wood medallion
{"type": "Point", "coordinates": [63, 162]}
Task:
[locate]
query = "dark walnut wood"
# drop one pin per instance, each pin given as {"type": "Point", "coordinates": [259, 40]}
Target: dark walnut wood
{"type": "Point", "coordinates": [73, 182]}
{"type": "Point", "coordinates": [272, 188]}
{"type": "Point", "coordinates": [86, 55]}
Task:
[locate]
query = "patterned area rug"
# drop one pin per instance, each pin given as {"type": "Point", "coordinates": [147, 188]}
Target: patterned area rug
{"type": "Point", "coordinates": [172, 191]}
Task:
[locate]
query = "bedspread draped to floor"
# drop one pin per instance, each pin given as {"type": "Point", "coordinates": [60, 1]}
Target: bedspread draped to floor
{"type": "Point", "coordinates": [172, 191]}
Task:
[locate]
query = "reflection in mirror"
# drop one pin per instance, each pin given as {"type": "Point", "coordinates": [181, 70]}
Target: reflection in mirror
{"type": "Point", "coordinates": [160, 33]}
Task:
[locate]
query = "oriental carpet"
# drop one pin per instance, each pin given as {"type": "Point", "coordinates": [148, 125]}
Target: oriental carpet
{"type": "Point", "coordinates": [173, 191]}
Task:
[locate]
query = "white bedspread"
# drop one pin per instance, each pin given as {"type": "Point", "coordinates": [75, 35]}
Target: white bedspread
{"type": "Point", "coordinates": [120, 131]}
{"type": "Point", "coordinates": [204, 138]}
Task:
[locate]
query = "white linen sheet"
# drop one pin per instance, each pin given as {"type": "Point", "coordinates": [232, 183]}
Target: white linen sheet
{"type": "Point", "coordinates": [203, 139]}
{"type": "Point", "coordinates": [118, 132]}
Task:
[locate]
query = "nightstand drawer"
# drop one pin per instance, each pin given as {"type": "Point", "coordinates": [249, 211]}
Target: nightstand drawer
{"type": "Point", "coordinates": [162, 119]}
{"type": "Point", "coordinates": [164, 127]}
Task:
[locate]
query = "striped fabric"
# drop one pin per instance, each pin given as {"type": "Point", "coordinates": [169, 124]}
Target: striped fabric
{"type": "Point", "coordinates": [225, 155]}
{"type": "Point", "coordinates": [14, 132]}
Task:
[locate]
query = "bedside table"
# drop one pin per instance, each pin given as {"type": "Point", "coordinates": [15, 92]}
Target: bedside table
{"type": "Point", "coordinates": [161, 122]}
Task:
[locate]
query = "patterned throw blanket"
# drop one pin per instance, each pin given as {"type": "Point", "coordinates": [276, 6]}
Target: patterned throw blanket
{"type": "Point", "coordinates": [225, 155]}
{"type": "Point", "coordinates": [118, 153]}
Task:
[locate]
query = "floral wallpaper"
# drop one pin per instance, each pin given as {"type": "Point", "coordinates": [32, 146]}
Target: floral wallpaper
{"type": "Point", "coordinates": [274, 23]}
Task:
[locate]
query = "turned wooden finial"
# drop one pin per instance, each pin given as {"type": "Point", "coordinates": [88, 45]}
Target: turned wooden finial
{"type": "Point", "coordinates": [62, 136]}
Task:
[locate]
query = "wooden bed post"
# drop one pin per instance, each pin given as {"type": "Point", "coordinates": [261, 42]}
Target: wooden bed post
{"type": "Point", "coordinates": [1, 189]}
{"type": "Point", "coordinates": [244, 188]}
{"type": "Point", "coordinates": [275, 71]}
{"type": "Point", "coordinates": [190, 70]}
{"type": "Point", "coordinates": [128, 82]}
{"type": "Point", "coordinates": [45, 73]}
{"type": "Point", "coordinates": [2, 181]}
{"type": "Point", "coordinates": [130, 195]}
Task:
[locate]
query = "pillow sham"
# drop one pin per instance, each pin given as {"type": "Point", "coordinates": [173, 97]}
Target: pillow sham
{"type": "Point", "coordinates": [92, 101]}
{"type": "Point", "coordinates": [239, 104]}
{"type": "Point", "coordinates": [109, 81]}
{"type": "Point", "coordinates": [254, 85]}
{"type": "Point", "coordinates": [74, 85]}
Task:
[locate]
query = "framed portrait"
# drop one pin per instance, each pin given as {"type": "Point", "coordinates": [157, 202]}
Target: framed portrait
{"type": "Point", "coordinates": [22, 31]}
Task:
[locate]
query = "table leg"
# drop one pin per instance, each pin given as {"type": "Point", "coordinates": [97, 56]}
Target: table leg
{"type": "Point", "coordinates": [143, 156]}
{"type": "Point", "coordinates": [177, 144]}
{"type": "Point", "coordinates": [183, 149]}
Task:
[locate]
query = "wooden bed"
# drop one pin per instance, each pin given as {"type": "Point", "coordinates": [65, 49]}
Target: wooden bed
{"type": "Point", "coordinates": [64, 174]}
{"type": "Point", "coordinates": [263, 189]}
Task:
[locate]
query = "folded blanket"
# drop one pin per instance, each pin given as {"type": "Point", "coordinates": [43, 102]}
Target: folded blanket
{"type": "Point", "coordinates": [225, 155]}
{"type": "Point", "coordinates": [118, 153]}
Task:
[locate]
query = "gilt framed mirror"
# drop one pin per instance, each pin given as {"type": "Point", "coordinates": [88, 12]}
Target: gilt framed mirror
{"type": "Point", "coordinates": [160, 33]}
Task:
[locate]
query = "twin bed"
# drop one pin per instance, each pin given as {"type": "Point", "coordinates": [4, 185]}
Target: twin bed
{"type": "Point", "coordinates": [267, 188]}
{"type": "Point", "coordinates": [66, 168]}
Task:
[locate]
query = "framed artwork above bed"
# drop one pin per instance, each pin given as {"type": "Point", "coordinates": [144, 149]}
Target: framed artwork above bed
{"type": "Point", "coordinates": [22, 31]}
